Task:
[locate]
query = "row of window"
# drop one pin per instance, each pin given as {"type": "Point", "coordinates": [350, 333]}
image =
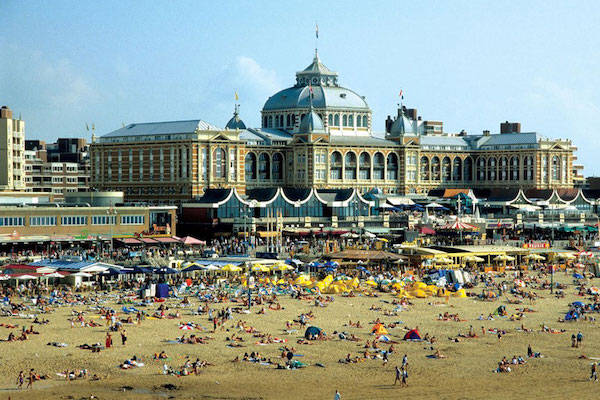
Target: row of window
{"type": "Point", "coordinates": [73, 220]}
{"type": "Point", "coordinates": [338, 120]}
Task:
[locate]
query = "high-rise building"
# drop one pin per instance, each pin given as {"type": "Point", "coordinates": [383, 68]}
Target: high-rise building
{"type": "Point", "coordinates": [57, 168]}
{"type": "Point", "coordinates": [12, 151]}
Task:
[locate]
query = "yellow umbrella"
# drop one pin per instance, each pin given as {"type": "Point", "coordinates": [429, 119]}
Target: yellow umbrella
{"type": "Point", "coordinates": [504, 257]}
{"type": "Point", "coordinates": [281, 267]}
{"type": "Point", "coordinates": [260, 268]}
{"type": "Point", "coordinates": [442, 260]}
{"type": "Point", "coordinates": [566, 256]}
{"type": "Point", "coordinates": [231, 268]}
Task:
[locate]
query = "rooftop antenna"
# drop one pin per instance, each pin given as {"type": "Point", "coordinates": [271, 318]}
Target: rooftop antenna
{"type": "Point", "coordinates": [316, 39]}
{"type": "Point", "coordinates": [236, 108]}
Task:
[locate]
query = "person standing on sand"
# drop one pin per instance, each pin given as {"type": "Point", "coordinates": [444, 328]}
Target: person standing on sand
{"type": "Point", "coordinates": [594, 374]}
{"type": "Point", "coordinates": [20, 380]}
{"type": "Point", "coordinates": [404, 376]}
{"type": "Point", "coordinates": [30, 379]}
{"type": "Point", "coordinates": [123, 337]}
{"type": "Point", "coordinates": [108, 340]}
{"type": "Point", "coordinates": [397, 375]}
{"type": "Point", "coordinates": [337, 395]}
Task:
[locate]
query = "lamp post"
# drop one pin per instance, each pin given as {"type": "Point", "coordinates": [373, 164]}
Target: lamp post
{"type": "Point", "coordinates": [110, 213]}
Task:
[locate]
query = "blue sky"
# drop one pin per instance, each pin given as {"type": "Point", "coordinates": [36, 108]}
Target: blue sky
{"type": "Point", "coordinates": [471, 64]}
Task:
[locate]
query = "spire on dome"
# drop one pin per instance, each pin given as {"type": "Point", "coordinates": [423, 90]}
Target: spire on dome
{"type": "Point", "coordinates": [236, 122]}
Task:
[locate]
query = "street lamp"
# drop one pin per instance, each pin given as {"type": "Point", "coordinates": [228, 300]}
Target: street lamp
{"type": "Point", "coordinates": [110, 213]}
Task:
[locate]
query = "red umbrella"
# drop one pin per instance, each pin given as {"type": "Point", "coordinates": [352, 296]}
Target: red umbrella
{"type": "Point", "coordinates": [458, 225]}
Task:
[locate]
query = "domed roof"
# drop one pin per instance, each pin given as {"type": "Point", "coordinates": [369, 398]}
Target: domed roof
{"type": "Point", "coordinates": [335, 97]}
{"type": "Point", "coordinates": [311, 123]}
{"type": "Point", "coordinates": [235, 122]}
{"type": "Point", "coordinates": [326, 91]}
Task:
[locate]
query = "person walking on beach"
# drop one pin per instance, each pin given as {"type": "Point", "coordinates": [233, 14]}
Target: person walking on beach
{"type": "Point", "coordinates": [404, 376]}
{"type": "Point", "coordinates": [579, 339]}
{"type": "Point", "coordinates": [594, 374]}
{"type": "Point", "coordinates": [398, 377]}
{"type": "Point", "coordinates": [123, 337]}
{"type": "Point", "coordinates": [108, 340]}
{"type": "Point", "coordinates": [20, 380]}
{"type": "Point", "coordinates": [30, 379]}
{"type": "Point", "coordinates": [337, 395]}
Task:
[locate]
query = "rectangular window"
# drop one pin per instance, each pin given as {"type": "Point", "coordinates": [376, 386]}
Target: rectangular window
{"type": "Point", "coordinates": [141, 164]}
{"type": "Point", "coordinates": [130, 165]}
{"type": "Point", "coordinates": [120, 165]}
{"type": "Point", "coordinates": [42, 221]}
{"type": "Point", "coordinates": [104, 220]}
{"type": "Point", "coordinates": [132, 220]}
{"type": "Point", "coordinates": [172, 163]}
{"type": "Point", "coordinates": [204, 163]}
{"type": "Point", "coordinates": [232, 168]}
{"type": "Point", "coordinates": [74, 220]}
{"type": "Point", "coordinates": [161, 171]}
{"type": "Point", "coordinates": [12, 221]}
{"type": "Point", "coordinates": [151, 165]}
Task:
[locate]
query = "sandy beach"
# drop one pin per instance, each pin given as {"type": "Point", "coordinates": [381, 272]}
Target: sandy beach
{"type": "Point", "coordinates": [467, 372]}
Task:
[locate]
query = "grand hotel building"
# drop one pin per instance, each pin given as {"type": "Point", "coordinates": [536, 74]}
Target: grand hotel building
{"type": "Point", "coordinates": [318, 134]}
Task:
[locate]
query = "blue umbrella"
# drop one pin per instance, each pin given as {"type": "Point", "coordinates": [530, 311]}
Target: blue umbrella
{"type": "Point", "coordinates": [332, 264]}
{"type": "Point", "coordinates": [192, 268]}
{"type": "Point", "coordinates": [329, 269]}
{"type": "Point", "coordinates": [315, 264]}
{"type": "Point", "coordinates": [166, 270]}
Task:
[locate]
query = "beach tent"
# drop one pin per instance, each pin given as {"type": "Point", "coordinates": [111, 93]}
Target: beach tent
{"type": "Point", "coordinates": [384, 338]}
{"type": "Point", "coordinates": [413, 334]}
{"type": "Point", "coordinates": [312, 332]}
{"type": "Point", "coordinates": [578, 304]}
{"type": "Point", "coordinates": [379, 329]}
{"type": "Point", "coordinates": [501, 310]}
{"type": "Point", "coordinates": [572, 315]}
{"type": "Point", "coordinates": [162, 290]}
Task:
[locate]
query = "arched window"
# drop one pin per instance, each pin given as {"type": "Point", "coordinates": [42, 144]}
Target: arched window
{"type": "Point", "coordinates": [351, 120]}
{"type": "Point", "coordinates": [344, 120]}
{"type": "Point", "coordinates": [219, 164]}
{"type": "Point", "coordinates": [335, 166]}
{"type": "Point", "coordinates": [392, 167]}
{"type": "Point", "coordinates": [435, 169]}
{"type": "Point", "coordinates": [330, 119]}
{"type": "Point", "coordinates": [264, 166]}
{"type": "Point", "coordinates": [446, 169]}
{"type": "Point", "coordinates": [468, 169]}
{"type": "Point", "coordinates": [364, 121]}
{"type": "Point", "coordinates": [503, 175]}
{"type": "Point", "coordinates": [336, 120]}
{"type": "Point", "coordinates": [378, 166]}
{"type": "Point", "coordinates": [556, 168]}
{"type": "Point", "coordinates": [350, 166]}
{"type": "Point", "coordinates": [250, 168]}
{"type": "Point", "coordinates": [364, 166]}
{"type": "Point", "coordinates": [278, 166]}
{"type": "Point", "coordinates": [265, 121]}
{"type": "Point", "coordinates": [270, 123]}
{"type": "Point", "coordinates": [514, 168]}
{"type": "Point", "coordinates": [492, 168]}
{"type": "Point", "coordinates": [288, 120]}
{"type": "Point", "coordinates": [528, 168]}
{"type": "Point", "coordinates": [358, 121]}
{"type": "Point", "coordinates": [425, 176]}
{"type": "Point", "coordinates": [457, 169]}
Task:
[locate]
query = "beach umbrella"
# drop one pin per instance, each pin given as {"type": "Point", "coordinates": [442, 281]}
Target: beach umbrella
{"type": "Point", "coordinates": [192, 268]}
{"type": "Point", "coordinates": [565, 256]}
{"type": "Point", "coordinates": [186, 327]}
{"type": "Point", "coordinates": [473, 259]}
{"type": "Point", "coordinates": [535, 257]}
{"type": "Point", "coordinates": [210, 267]}
{"type": "Point", "coordinates": [260, 268]}
{"type": "Point", "coordinates": [315, 264]}
{"type": "Point", "coordinates": [442, 260]}
{"type": "Point", "coordinates": [282, 267]}
{"type": "Point", "coordinates": [504, 257]}
{"type": "Point", "coordinates": [231, 268]}
{"type": "Point", "coordinates": [332, 264]}
{"type": "Point", "coordinates": [434, 205]}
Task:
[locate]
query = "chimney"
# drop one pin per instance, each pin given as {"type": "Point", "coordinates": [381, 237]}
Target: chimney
{"type": "Point", "coordinates": [510, 127]}
{"type": "Point", "coordinates": [486, 132]}
{"type": "Point", "coordinates": [5, 113]}
{"type": "Point", "coordinates": [411, 113]}
{"type": "Point", "coordinates": [388, 124]}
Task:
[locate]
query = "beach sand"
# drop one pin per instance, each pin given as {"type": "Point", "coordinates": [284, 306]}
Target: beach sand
{"type": "Point", "coordinates": [466, 373]}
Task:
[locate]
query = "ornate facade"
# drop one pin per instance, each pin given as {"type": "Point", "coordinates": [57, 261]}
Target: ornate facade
{"type": "Point", "coordinates": [317, 134]}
